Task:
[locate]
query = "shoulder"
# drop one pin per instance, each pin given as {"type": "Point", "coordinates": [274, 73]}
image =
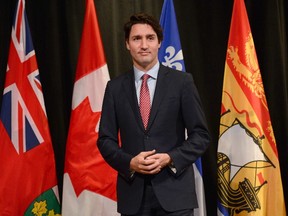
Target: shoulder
{"type": "Point", "coordinates": [123, 76]}
{"type": "Point", "coordinates": [118, 80]}
{"type": "Point", "coordinates": [175, 74]}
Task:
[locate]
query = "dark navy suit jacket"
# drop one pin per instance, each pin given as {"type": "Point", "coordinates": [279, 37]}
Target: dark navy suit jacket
{"type": "Point", "coordinates": [176, 109]}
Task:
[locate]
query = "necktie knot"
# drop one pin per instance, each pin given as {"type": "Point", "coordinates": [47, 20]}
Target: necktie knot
{"type": "Point", "coordinates": [145, 77]}
{"type": "Point", "coordinates": [145, 100]}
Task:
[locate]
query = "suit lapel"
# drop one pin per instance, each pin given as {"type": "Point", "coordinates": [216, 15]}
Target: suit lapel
{"type": "Point", "coordinates": [160, 91]}
{"type": "Point", "coordinates": [130, 91]}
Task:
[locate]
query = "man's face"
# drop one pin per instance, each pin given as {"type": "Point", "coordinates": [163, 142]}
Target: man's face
{"type": "Point", "coordinates": [143, 45]}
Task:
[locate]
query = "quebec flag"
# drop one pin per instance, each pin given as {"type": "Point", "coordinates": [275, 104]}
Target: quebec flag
{"type": "Point", "coordinates": [170, 54]}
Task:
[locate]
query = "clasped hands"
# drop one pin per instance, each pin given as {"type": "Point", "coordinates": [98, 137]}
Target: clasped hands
{"type": "Point", "coordinates": [149, 162]}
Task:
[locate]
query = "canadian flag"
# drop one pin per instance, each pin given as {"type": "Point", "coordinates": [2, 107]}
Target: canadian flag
{"type": "Point", "coordinates": [89, 185]}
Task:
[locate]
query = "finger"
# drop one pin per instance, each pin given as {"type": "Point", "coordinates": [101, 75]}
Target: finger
{"type": "Point", "coordinates": [148, 162]}
{"type": "Point", "coordinates": [151, 172]}
{"type": "Point", "coordinates": [154, 156]}
{"type": "Point", "coordinates": [148, 153]}
{"type": "Point", "coordinates": [151, 167]}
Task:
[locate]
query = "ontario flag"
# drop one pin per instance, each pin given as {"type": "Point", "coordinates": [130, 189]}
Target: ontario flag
{"type": "Point", "coordinates": [89, 186]}
{"type": "Point", "coordinates": [171, 55]}
{"type": "Point", "coordinates": [249, 180]}
{"type": "Point", "coordinates": [28, 184]}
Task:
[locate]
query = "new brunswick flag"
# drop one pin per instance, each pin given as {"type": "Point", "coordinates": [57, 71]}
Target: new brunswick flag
{"type": "Point", "coordinates": [28, 184]}
{"type": "Point", "coordinates": [249, 181]}
{"type": "Point", "coordinates": [89, 186]}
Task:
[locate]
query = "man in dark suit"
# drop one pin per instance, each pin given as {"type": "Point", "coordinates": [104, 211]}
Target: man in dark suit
{"type": "Point", "coordinates": [153, 157]}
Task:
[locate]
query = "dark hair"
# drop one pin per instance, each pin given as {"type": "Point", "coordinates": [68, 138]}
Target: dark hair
{"type": "Point", "coordinates": [143, 18]}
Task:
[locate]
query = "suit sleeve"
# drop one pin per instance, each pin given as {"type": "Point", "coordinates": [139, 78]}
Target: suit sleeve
{"type": "Point", "coordinates": [198, 137]}
{"type": "Point", "coordinates": [108, 140]}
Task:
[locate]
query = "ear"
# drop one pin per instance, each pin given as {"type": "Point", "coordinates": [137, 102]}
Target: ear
{"type": "Point", "coordinates": [127, 45]}
{"type": "Point", "coordinates": [159, 45]}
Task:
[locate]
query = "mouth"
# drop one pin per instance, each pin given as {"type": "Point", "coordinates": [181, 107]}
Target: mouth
{"type": "Point", "coordinates": [144, 53]}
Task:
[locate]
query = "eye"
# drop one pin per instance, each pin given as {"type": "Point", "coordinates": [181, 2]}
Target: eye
{"type": "Point", "coordinates": [151, 37]}
{"type": "Point", "coordinates": [136, 38]}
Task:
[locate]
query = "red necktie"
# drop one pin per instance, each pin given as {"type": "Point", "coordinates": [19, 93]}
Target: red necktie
{"type": "Point", "coordinates": [145, 100]}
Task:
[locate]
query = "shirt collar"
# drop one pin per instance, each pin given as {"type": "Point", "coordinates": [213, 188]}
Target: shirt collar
{"type": "Point", "coordinates": [153, 72]}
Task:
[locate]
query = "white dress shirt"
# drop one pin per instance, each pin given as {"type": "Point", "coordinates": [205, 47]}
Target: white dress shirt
{"type": "Point", "coordinates": [153, 73]}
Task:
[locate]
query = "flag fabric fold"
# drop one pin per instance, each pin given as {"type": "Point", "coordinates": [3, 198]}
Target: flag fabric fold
{"type": "Point", "coordinates": [89, 185]}
{"type": "Point", "coordinates": [28, 183]}
{"type": "Point", "coordinates": [249, 180]}
{"type": "Point", "coordinates": [171, 55]}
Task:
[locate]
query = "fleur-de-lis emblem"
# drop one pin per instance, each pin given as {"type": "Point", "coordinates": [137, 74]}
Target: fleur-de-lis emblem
{"type": "Point", "coordinates": [172, 58]}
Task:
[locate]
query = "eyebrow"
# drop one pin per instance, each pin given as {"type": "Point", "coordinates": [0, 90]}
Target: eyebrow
{"type": "Point", "coordinates": [148, 35]}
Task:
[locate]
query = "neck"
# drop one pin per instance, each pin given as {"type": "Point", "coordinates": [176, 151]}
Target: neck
{"type": "Point", "coordinates": [145, 68]}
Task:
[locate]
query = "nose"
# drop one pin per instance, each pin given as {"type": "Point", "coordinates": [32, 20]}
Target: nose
{"type": "Point", "coordinates": [144, 44]}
